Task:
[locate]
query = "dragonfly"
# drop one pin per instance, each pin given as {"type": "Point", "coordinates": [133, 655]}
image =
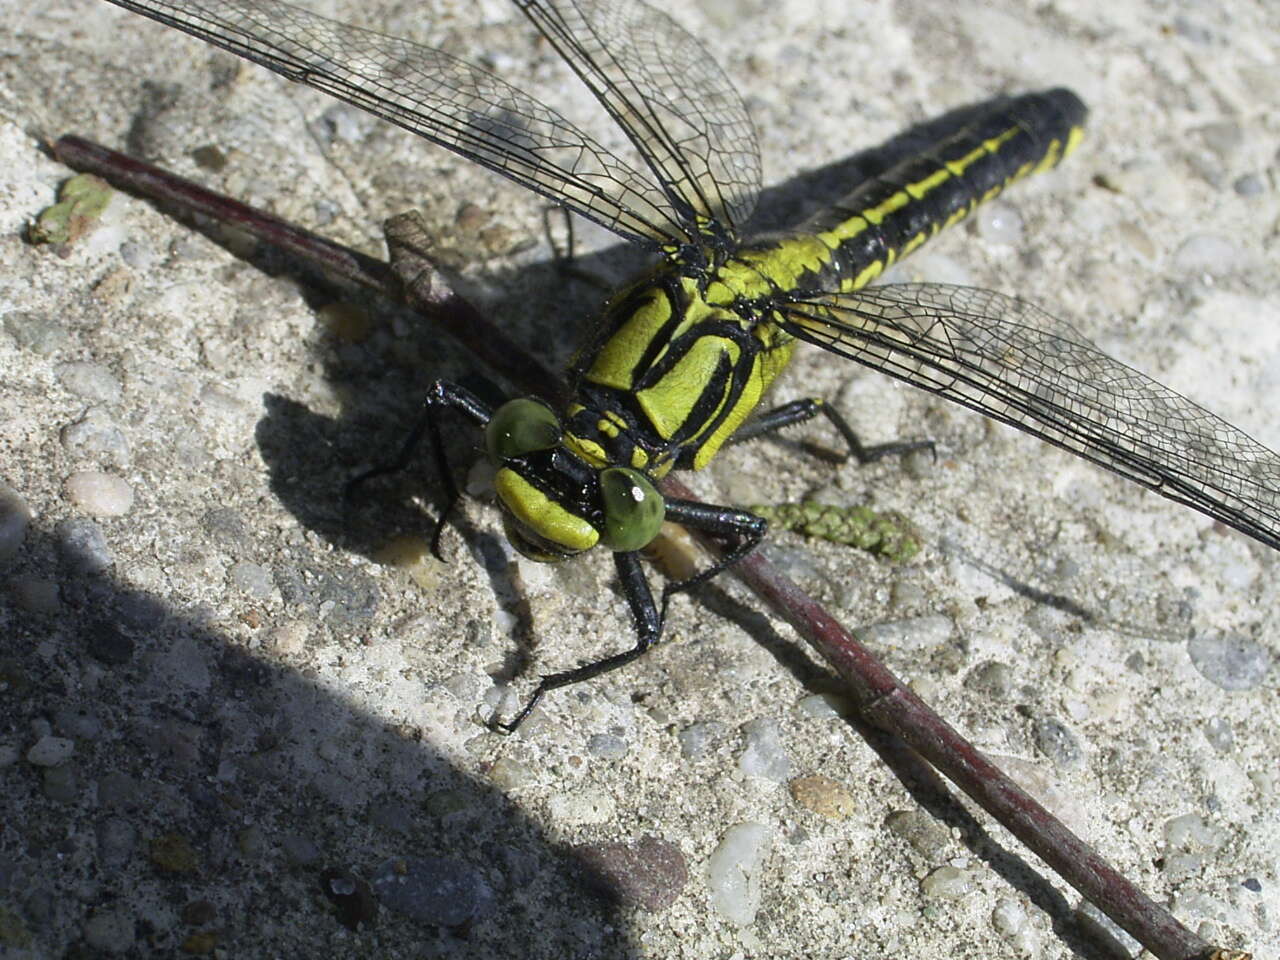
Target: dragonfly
{"type": "Point", "coordinates": [677, 362]}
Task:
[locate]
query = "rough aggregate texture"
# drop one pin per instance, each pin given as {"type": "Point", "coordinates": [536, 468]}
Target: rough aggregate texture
{"type": "Point", "coordinates": [256, 703]}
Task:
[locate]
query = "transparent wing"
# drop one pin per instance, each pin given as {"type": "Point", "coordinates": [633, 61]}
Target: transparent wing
{"type": "Point", "coordinates": [447, 101]}
{"type": "Point", "coordinates": [1012, 361]}
{"type": "Point", "coordinates": [670, 96]}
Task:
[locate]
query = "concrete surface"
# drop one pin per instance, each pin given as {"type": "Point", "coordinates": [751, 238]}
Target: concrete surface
{"type": "Point", "coordinates": [218, 693]}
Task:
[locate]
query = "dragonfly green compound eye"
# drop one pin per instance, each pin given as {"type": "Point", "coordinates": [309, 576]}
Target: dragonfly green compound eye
{"type": "Point", "coordinates": [519, 427]}
{"type": "Point", "coordinates": [633, 509]}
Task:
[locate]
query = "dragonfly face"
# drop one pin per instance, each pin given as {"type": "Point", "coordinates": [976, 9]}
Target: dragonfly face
{"type": "Point", "coordinates": [555, 504]}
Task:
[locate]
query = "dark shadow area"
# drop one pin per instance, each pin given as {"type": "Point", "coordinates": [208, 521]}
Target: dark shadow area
{"type": "Point", "coordinates": [211, 797]}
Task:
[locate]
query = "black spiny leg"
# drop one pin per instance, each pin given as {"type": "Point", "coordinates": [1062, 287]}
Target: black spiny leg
{"type": "Point", "coordinates": [798, 411]}
{"type": "Point", "coordinates": [648, 620]}
{"type": "Point", "coordinates": [441, 395]}
{"type": "Point", "coordinates": [738, 525]}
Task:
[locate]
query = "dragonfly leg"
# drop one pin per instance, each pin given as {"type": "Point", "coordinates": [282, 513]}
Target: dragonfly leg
{"type": "Point", "coordinates": [564, 257]}
{"type": "Point", "coordinates": [798, 411]}
{"type": "Point", "coordinates": [648, 620]}
{"type": "Point", "coordinates": [740, 526]}
{"type": "Point", "coordinates": [440, 396]}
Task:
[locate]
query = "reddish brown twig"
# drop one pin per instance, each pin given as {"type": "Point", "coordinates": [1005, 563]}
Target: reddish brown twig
{"type": "Point", "coordinates": [881, 699]}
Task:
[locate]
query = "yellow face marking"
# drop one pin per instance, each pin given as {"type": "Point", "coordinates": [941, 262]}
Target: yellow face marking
{"type": "Point", "coordinates": [585, 449]}
{"type": "Point", "coordinates": [539, 513]}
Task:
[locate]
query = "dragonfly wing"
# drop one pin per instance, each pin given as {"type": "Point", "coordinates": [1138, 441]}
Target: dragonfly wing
{"type": "Point", "coordinates": [442, 99]}
{"type": "Point", "coordinates": [1014, 362]}
{"type": "Point", "coordinates": [670, 96]}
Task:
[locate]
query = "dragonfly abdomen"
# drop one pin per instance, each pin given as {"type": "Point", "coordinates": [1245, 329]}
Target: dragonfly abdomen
{"type": "Point", "coordinates": [891, 215]}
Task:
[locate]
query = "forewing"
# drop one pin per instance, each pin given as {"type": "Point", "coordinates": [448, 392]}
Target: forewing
{"type": "Point", "coordinates": [670, 96]}
{"type": "Point", "coordinates": [1012, 361]}
{"type": "Point", "coordinates": [439, 97]}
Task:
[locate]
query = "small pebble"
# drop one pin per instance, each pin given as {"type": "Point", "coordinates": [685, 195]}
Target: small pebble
{"type": "Point", "coordinates": [1191, 832]}
{"type": "Point", "coordinates": [1217, 730]}
{"type": "Point", "coordinates": [927, 836]}
{"type": "Point", "coordinates": [77, 723]}
{"type": "Point", "coordinates": [649, 873]}
{"type": "Point", "coordinates": [90, 380]}
{"type": "Point", "coordinates": [60, 784]}
{"type": "Point", "coordinates": [116, 789]}
{"type": "Point", "coordinates": [99, 494]}
{"type": "Point", "coordinates": [606, 746]}
{"type": "Point", "coordinates": [445, 803]}
{"type": "Point", "coordinates": [825, 706]}
{"type": "Point", "coordinates": [36, 595]}
{"type": "Point", "coordinates": [252, 579]}
{"type": "Point", "coordinates": [1229, 661]}
{"type": "Point", "coordinates": [999, 222]}
{"type": "Point", "coordinates": [1008, 918]}
{"type": "Point", "coordinates": [172, 853]}
{"type": "Point", "coordinates": [15, 517]}
{"type": "Point", "coordinates": [992, 678]}
{"type": "Point", "coordinates": [917, 633]}
{"type": "Point", "coordinates": [82, 547]}
{"type": "Point", "coordinates": [581, 807]}
{"type": "Point", "coordinates": [1249, 185]}
{"type": "Point", "coordinates": [432, 890]}
{"type": "Point", "coordinates": [95, 436]}
{"type": "Point", "coordinates": [948, 883]}
{"type": "Point", "coordinates": [110, 931]}
{"type": "Point", "coordinates": [351, 896]}
{"type": "Point", "coordinates": [41, 335]}
{"type": "Point", "coordinates": [826, 797]}
{"type": "Point", "coordinates": [1057, 742]}
{"type": "Point", "coordinates": [765, 755]}
{"type": "Point", "coordinates": [50, 751]}
{"type": "Point", "coordinates": [391, 814]}
{"type": "Point", "coordinates": [733, 871]}
{"type": "Point", "coordinates": [107, 644]}
{"type": "Point", "coordinates": [698, 739]}
{"type": "Point", "coordinates": [300, 851]}
{"type": "Point", "coordinates": [507, 774]}
{"type": "Point", "coordinates": [197, 913]}
{"type": "Point", "coordinates": [117, 840]}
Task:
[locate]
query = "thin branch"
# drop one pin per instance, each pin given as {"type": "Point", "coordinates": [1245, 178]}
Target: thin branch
{"type": "Point", "coordinates": [881, 699]}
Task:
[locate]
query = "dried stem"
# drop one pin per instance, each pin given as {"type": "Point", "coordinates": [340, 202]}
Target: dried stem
{"type": "Point", "coordinates": [880, 698]}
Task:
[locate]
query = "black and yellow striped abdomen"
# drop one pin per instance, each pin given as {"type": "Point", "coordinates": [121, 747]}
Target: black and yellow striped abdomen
{"type": "Point", "coordinates": [685, 355]}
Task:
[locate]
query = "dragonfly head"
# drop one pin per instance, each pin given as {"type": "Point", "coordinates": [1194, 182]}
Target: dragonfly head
{"type": "Point", "coordinates": [555, 505]}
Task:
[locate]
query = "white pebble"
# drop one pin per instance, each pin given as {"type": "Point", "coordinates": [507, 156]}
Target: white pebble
{"type": "Point", "coordinates": [765, 755]}
{"type": "Point", "coordinates": [947, 883]}
{"type": "Point", "coordinates": [99, 494]}
{"type": "Point", "coordinates": [999, 223]}
{"type": "Point", "coordinates": [733, 872]}
{"type": "Point", "coordinates": [580, 807]}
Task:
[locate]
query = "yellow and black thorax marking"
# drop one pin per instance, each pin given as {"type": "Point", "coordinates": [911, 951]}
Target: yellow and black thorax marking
{"type": "Point", "coordinates": [683, 356]}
